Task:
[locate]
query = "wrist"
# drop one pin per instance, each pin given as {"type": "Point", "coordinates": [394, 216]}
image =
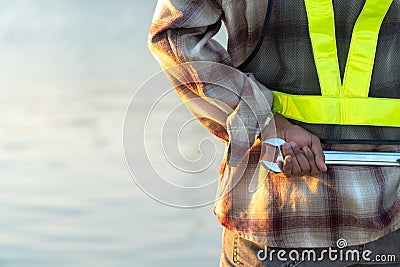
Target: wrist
{"type": "Point", "coordinates": [281, 126]}
{"type": "Point", "coordinates": [281, 121]}
{"type": "Point", "coordinates": [266, 123]}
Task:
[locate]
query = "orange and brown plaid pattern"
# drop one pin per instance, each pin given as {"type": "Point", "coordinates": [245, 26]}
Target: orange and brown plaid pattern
{"type": "Point", "coordinates": [357, 203]}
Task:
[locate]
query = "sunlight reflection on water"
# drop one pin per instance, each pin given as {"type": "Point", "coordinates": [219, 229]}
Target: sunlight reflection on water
{"type": "Point", "coordinates": [66, 197]}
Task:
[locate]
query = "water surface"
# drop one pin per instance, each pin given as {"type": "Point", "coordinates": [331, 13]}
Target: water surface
{"type": "Point", "coordinates": [68, 71]}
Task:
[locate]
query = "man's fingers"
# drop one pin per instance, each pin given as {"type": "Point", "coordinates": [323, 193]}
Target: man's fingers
{"type": "Point", "coordinates": [310, 157]}
{"type": "Point", "coordinates": [316, 148]}
{"type": "Point", "coordinates": [304, 165]}
{"type": "Point", "coordinates": [287, 166]}
{"type": "Point", "coordinates": [295, 167]}
{"type": "Point", "coordinates": [320, 161]}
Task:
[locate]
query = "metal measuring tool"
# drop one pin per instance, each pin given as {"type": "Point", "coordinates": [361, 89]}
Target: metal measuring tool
{"type": "Point", "coordinates": [339, 157]}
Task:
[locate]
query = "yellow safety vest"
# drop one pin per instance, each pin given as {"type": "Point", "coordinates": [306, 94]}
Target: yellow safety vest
{"type": "Point", "coordinates": [342, 102]}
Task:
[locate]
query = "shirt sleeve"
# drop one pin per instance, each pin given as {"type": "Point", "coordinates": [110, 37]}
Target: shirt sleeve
{"type": "Point", "coordinates": [228, 103]}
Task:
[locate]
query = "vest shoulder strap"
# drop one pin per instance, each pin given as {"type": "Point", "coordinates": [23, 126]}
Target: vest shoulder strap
{"type": "Point", "coordinates": [261, 40]}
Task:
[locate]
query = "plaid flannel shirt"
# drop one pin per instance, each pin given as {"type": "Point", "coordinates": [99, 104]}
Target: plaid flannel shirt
{"type": "Point", "coordinates": [357, 203]}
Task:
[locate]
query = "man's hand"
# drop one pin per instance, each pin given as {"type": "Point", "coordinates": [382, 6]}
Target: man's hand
{"type": "Point", "coordinates": [303, 153]}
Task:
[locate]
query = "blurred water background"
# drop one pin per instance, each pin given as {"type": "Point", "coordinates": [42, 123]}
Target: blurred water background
{"type": "Point", "coordinates": [68, 70]}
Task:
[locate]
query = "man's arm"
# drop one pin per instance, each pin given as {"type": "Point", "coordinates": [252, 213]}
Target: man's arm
{"type": "Point", "coordinates": [182, 31]}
